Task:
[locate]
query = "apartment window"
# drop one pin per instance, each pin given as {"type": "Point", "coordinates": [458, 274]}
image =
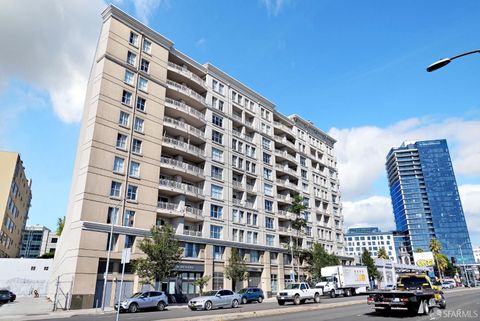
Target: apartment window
{"type": "Point", "coordinates": [123, 119]}
{"type": "Point", "coordinates": [127, 98]}
{"type": "Point", "coordinates": [140, 105]}
{"type": "Point", "coordinates": [218, 252]}
{"type": "Point", "coordinates": [138, 125]}
{"type": "Point", "coordinates": [268, 189]}
{"type": "Point", "coordinates": [266, 129]}
{"type": "Point", "coordinates": [215, 232]}
{"type": "Point", "coordinates": [265, 114]}
{"type": "Point", "coordinates": [217, 280]}
{"type": "Point", "coordinates": [255, 219]}
{"type": "Point", "coordinates": [112, 214]}
{"type": "Point", "coordinates": [304, 187]}
{"type": "Point", "coordinates": [118, 165]}
{"type": "Point", "coordinates": [128, 79]}
{"type": "Point", "coordinates": [142, 84]}
{"type": "Point", "coordinates": [121, 141]}
{"type": "Point", "coordinates": [216, 191]}
{"type": "Point", "coordinates": [131, 58]}
{"type": "Point", "coordinates": [147, 46]}
{"type": "Point", "coordinates": [217, 154]}
{"type": "Point", "coordinates": [132, 192]}
{"type": "Point", "coordinates": [216, 211]}
{"type": "Point", "coordinates": [217, 120]}
{"type": "Point", "coordinates": [269, 222]}
{"type": "Point", "coordinates": [303, 161]}
{"type": "Point", "coordinates": [268, 206]}
{"type": "Point", "coordinates": [267, 158]}
{"type": "Point", "coordinates": [128, 218]}
{"type": "Point", "coordinates": [218, 87]}
{"type": "Point", "coordinates": [304, 173]}
{"type": "Point", "coordinates": [254, 256]}
{"type": "Point", "coordinates": [217, 172]}
{"type": "Point", "coordinates": [267, 173]}
{"type": "Point", "coordinates": [191, 250]}
{"type": "Point", "coordinates": [133, 38]}
{"type": "Point", "coordinates": [115, 189]}
{"type": "Point", "coordinates": [270, 241]}
{"type": "Point", "coordinates": [144, 65]}
{"type": "Point", "coordinates": [137, 146]}
{"type": "Point", "coordinates": [266, 143]}
{"type": "Point", "coordinates": [217, 137]}
{"type": "Point", "coordinates": [134, 170]}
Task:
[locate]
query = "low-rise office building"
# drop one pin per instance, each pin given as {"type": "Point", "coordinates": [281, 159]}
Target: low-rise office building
{"type": "Point", "coordinates": [38, 240]}
{"type": "Point", "coordinates": [370, 238]}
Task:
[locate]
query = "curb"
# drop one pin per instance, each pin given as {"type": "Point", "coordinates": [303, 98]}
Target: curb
{"type": "Point", "coordinates": [271, 312]}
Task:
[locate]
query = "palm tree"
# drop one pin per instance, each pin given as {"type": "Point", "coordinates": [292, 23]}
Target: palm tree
{"type": "Point", "coordinates": [60, 225]}
{"type": "Point", "coordinates": [382, 254]}
{"type": "Point", "coordinates": [435, 247]}
{"type": "Point", "coordinates": [298, 224]}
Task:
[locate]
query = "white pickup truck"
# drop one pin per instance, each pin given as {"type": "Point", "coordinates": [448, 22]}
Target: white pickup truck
{"type": "Point", "coordinates": [298, 292]}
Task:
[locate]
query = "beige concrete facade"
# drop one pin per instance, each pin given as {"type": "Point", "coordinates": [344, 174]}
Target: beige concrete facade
{"type": "Point", "coordinates": [201, 152]}
{"type": "Point", "coordinates": [15, 198]}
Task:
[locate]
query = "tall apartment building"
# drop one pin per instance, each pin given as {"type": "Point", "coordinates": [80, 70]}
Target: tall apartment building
{"type": "Point", "coordinates": [15, 197]}
{"type": "Point", "coordinates": [425, 198]}
{"type": "Point", "coordinates": [165, 139]}
{"type": "Point", "coordinates": [37, 240]}
{"type": "Point", "coordinates": [372, 239]}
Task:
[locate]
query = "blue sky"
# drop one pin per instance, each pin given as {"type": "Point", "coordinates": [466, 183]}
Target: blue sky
{"type": "Point", "coordinates": [355, 68]}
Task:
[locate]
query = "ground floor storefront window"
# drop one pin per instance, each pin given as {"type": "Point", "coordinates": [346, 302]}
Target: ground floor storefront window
{"type": "Point", "coordinates": [187, 279]}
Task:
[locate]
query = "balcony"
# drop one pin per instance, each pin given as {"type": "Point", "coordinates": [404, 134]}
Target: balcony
{"type": "Point", "coordinates": [192, 233]}
{"type": "Point", "coordinates": [284, 230]}
{"type": "Point", "coordinates": [284, 141]}
{"type": "Point", "coordinates": [249, 124]}
{"type": "Point", "coordinates": [179, 145]}
{"type": "Point", "coordinates": [193, 211]}
{"type": "Point", "coordinates": [190, 93]}
{"type": "Point", "coordinates": [181, 188]}
{"type": "Point", "coordinates": [285, 155]}
{"type": "Point", "coordinates": [237, 118]}
{"type": "Point", "coordinates": [243, 136]}
{"type": "Point", "coordinates": [184, 167]}
{"type": "Point", "coordinates": [187, 74]}
{"type": "Point", "coordinates": [282, 126]}
{"type": "Point", "coordinates": [237, 185]}
{"type": "Point", "coordinates": [169, 209]}
{"type": "Point", "coordinates": [284, 198]}
{"type": "Point", "coordinates": [286, 183]}
{"type": "Point", "coordinates": [250, 187]}
{"type": "Point", "coordinates": [286, 169]}
{"type": "Point", "coordinates": [184, 108]}
{"type": "Point", "coordinates": [175, 123]}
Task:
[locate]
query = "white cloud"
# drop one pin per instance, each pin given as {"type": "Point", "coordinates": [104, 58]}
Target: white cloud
{"type": "Point", "coordinates": [274, 7]}
{"type": "Point", "coordinates": [51, 48]}
{"type": "Point", "coordinates": [372, 211]}
{"type": "Point", "coordinates": [200, 43]}
{"type": "Point", "coordinates": [470, 196]}
{"type": "Point", "coordinates": [144, 8]}
{"type": "Point", "coordinates": [361, 151]}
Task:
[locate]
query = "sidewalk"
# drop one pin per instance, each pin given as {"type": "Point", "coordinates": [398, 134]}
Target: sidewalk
{"type": "Point", "coordinates": [25, 306]}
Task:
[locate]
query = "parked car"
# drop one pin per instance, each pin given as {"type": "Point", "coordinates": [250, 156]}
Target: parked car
{"type": "Point", "coordinates": [448, 284]}
{"type": "Point", "coordinates": [144, 300]}
{"type": "Point", "coordinates": [4, 296]}
{"type": "Point", "coordinates": [13, 296]}
{"type": "Point", "coordinates": [215, 299]}
{"type": "Point", "coordinates": [251, 294]}
{"type": "Point", "coordinates": [390, 287]}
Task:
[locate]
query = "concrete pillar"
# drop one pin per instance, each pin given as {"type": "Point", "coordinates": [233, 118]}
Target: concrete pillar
{"type": "Point", "coordinates": [280, 272]}
{"type": "Point", "coordinates": [208, 265]}
{"type": "Point", "coordinates": [227, 284]}
{"type": "Point", "coordinates": [266, 275]}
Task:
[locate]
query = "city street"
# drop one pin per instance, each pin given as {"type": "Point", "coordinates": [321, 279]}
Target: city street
{"type": "Point", "coordinates": [461, 304]}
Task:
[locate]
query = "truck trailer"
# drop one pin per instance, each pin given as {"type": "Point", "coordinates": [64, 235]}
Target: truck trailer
{"type": "Point", "coordinates": [346, 280]}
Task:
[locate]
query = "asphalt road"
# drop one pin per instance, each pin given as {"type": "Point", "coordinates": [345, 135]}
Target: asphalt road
{"type": "Point", "coordinates": [467, 301]}
{"type": "Point", "coordinates": [463, 305]}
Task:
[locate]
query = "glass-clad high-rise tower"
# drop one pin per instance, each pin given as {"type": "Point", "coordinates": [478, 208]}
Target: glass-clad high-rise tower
{"type": "Point", "coordinates": [425, 198]}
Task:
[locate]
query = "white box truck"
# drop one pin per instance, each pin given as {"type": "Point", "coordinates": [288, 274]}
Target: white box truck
{"type": "Point", "coordinates": [346, 280]}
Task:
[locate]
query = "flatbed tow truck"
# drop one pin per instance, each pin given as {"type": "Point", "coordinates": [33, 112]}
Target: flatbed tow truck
{"type": "Point", "coordinates": [415, 293]}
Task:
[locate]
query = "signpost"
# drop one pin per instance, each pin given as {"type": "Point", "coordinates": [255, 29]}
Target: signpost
{"type": "Point", "coordinates": [126, 253]}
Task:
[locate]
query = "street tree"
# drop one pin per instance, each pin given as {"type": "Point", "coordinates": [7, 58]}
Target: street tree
{"type": "Point", "coordinates": [382, 254]}
{"type": "Point", "coordinates": [162, 251]}
{"type": "Point", "coordinates": [318, 258]}
{"type": "Point", "coordinates": [297, 223]}
{"type": "Point", "coordinates": [60, 225]}
{"type": "Point", "coordinates": [419, 250]}
{"type": "Point", "coordinates": [369, 262]}
{"type": "Point", "coordinates": [440, 262]}
{"type": "Point", "coordinates": [236, 270]}
{"type": "Point", "coordinates": [201, 282]}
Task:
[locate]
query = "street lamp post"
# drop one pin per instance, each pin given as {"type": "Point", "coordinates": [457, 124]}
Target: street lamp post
{"type": "Point", "coordinates": [463, 263]}
{"type": "Point", "coordinates": [445, 61]}
{"type": "Point", "coordinates": [113, 218]}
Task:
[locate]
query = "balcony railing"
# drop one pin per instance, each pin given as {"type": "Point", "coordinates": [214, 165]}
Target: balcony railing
{"type": "Point", "coordinates": [178, 164]}
{"type": "Point", "coordinates": [236, 201]}
{"type": "Point", "coordinates": [187, 73]}
{"type": "Point", "coordinates": [286, 183]}
{"type": "Point", "coordinates": [283, 229]}
{"type": "Point", "coordinates": [188, 128]}
{"type": "Point", "coordinates": [282, 197]}
{"type": "Point", "coordinates": [192, 233]}
{"type": "Point", "coordinates": [282, 126]}
{"type": "Point", "coordinates": [285, 141]}
{"type": "Point", "coordinates": [185, 108]}
{"type": "Point", "coordinates": [286, 169]}
{"type": "Point", "coordinates": [168, 206]}
{"type": "Point", "coordinates": [249, 204]}
{"type": "Point", "coordinates": [186, 90]}
{"type": "Point", "coordinates": [250, 187]}
{"type": "Point", "coordinates": [284, 154]}
{"type": "Point", "coordinates": [237, 117]}
{"type": "Point", "coordinates": [194, 211]}
{"type": "Point", "coordinates": [249, 123]}
{"type": "Point", "coordinates": [184, 146]}
{"type": "Point", "coordinates": [181, 186]}
{"type": "Point", "coordinates": [239, 134]}
{"type": "Point", "coordinates": [237, 184]}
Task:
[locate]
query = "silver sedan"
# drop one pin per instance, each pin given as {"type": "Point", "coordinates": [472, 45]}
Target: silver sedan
{"type": "Point", "coordinates": [215, 299]}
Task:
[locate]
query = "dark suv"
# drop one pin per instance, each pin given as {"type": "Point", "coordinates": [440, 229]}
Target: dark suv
{"type": "Point", "coordinates": [251, 294]}
{"type": "Point", "coordinates": [4, 296]}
